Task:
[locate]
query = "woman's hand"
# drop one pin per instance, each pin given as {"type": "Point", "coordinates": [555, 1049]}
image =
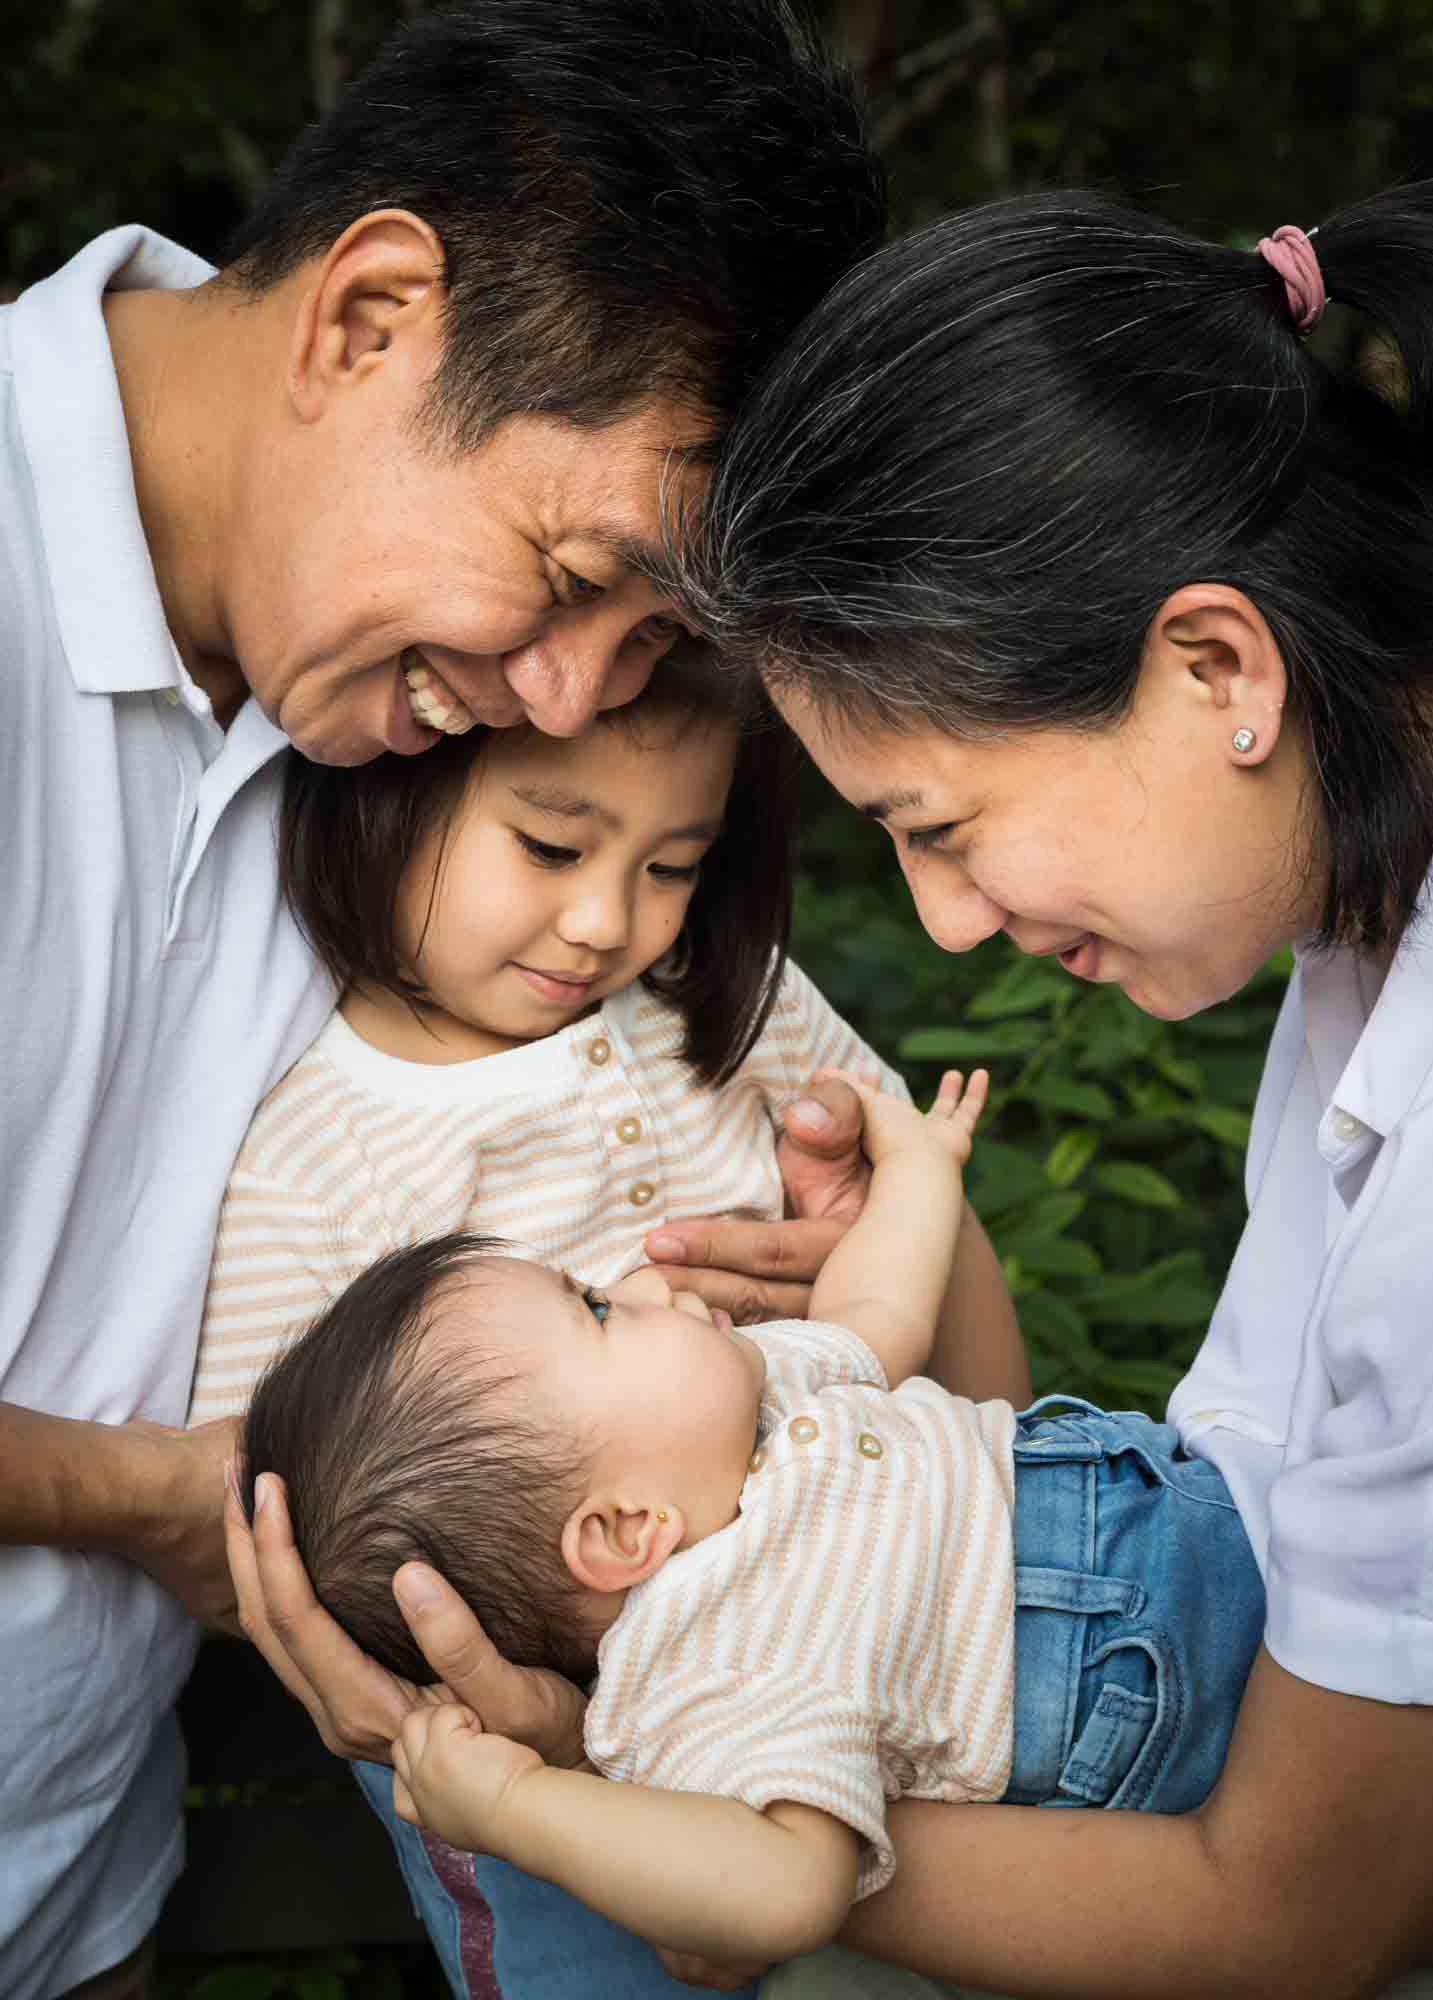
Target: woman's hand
{"type": "Point", "coordinates": [765, 1270]}
{"type": "Point", "coordinates": [694, 1971]}
{"type": "Point", "coordinates": [357, 1706]}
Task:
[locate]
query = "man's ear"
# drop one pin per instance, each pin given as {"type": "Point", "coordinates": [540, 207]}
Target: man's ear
{"type": "Point", "coordinates": [379, 284]}
{"type": "Point", "coordinates": [610, 1547]}
{"type": "Point", "coordinates": [1211, 645]}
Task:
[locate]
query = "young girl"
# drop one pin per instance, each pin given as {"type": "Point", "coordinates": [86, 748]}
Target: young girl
{"type": "Point", "coordinates": [565, 1011]}
{"type": "Point", "coordinates": [565, 1015]}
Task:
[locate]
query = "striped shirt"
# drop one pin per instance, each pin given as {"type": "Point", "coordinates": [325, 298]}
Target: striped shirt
{"type": "Point", "coordinates": [850, 1637]}
{"type": "Point", "coordinates": [574, 1146]}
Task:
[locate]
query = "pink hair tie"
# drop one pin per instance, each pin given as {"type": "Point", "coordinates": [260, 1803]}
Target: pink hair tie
{"type": "Point", "coordinates": [1289, 252]}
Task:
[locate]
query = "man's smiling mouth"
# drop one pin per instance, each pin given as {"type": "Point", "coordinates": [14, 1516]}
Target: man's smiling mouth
{"type": "Point", "coordinates": [431, 699]}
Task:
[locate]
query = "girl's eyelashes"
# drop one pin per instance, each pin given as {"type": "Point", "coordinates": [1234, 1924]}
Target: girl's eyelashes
{"type": "Point", "coordinates": [544, 853]}
{"type": "Point", "coordinates": [668, 871]}
{"type": "Point", "coordinates": [597, 1303]}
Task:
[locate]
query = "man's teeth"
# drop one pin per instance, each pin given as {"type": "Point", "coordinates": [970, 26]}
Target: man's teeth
{"type": "Point", "coordinates": [432, 704]}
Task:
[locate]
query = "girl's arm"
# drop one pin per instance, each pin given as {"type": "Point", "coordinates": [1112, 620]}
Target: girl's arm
{"type": "Point", "coordinates": [1306, 1872]}
{"type": "Point", "coordinates": [687, 1871]}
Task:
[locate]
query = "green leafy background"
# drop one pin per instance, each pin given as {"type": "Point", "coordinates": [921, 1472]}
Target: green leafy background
{"type": "Point", "coordinates": [1108, 1167]}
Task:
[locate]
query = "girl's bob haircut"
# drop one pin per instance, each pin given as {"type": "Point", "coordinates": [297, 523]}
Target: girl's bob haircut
{"type": "Point", "coordinates": [346, 837]}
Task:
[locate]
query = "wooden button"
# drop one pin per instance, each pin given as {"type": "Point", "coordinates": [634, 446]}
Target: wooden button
{"type": "Point", "coordinates": [801, 1430]}
{"type": "Point", "coordinates": [758, 1459]}
{"type": "Point", "coordinates": [599, 1051]}
{"type": "Point", "coordinates": [640, 1193]}
{"type": "Point", "coordinates": [628, 1130]}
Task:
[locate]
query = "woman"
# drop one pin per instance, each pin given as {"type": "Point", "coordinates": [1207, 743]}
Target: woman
{"type": "Point", "coordinates": [1076, 564]}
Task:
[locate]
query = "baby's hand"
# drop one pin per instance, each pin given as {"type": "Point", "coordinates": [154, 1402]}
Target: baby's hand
{"type": "Point", "coordinates": [893, 1126]}
{"type": "Point", "coordinates": [451, 1777]}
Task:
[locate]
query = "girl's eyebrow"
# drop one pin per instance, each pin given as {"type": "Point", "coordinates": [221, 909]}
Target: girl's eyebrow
{"type": "Point", "coordinates": [572, 805]}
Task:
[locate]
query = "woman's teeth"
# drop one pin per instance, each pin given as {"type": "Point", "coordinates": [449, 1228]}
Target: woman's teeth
{"type": "Point", "coordinates": [432, 703]}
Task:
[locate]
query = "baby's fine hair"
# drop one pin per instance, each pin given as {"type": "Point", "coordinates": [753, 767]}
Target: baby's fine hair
{"type": "Point", "coordinates": [347, 836]}
{"type": "Point", "coordinates": [394, 1448]}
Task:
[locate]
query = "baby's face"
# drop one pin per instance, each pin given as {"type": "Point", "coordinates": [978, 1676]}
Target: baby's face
{"type": "Point", "coordinates": [643, 1377]}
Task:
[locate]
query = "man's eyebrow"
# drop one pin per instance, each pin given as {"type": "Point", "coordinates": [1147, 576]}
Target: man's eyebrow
{"type": "Point", "coordinates": [558, 804]}
{"type": "Point", "coordinates": [632, 551]}
{"type": "Point", "coordinates": [888, 802]}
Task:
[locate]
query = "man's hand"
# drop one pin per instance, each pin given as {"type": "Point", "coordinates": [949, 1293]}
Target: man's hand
{"type": "Point", "coordinates": [450, 1776]}
{"type": "Point", "coordinates": [694, 1971]}
{"type": "Point", "coordinates": [181, 1541]}
{"type": "Point", "coordinates": [357, 1706]}
{"type": "Point", "coordinates": [765, 1270]}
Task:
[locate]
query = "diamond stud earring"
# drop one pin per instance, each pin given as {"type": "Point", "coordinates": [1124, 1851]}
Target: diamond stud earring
{"type": "Point", "coordinates": [1244, 740]}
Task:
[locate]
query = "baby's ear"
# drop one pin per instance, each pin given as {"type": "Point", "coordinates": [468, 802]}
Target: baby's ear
{"type": "Point", "coordinates": [609, 1546]}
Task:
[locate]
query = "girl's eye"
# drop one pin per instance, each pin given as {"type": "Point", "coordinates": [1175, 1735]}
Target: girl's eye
{"type": "Point", "coordinates": [668, 871]}
{"type": "Point", "coordinates": [570, 588]}
{"type": "Point", "coordinates": [597, 1303]}
{"type": "Point", "coordinates": [544, 853]}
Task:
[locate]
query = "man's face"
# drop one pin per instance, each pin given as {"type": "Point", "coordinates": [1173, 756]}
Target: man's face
{"type": "Point", "coordinates": [379, 580]}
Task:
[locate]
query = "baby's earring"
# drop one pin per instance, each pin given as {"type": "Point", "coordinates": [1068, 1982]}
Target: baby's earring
{"type": "Point", "coordinates": [661, 1513]}
{"type": "Point", "coordinates": [1244, 740]}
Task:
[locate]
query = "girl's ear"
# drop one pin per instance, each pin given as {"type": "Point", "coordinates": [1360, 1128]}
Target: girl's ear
{"type": "Point", "coordinates": [610, 1547]}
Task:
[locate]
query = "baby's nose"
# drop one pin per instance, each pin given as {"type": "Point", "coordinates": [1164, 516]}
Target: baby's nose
{"type": "Point", "coordinates": [644, 1287]}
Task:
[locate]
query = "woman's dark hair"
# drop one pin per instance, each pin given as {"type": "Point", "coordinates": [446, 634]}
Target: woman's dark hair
{"type": "Point", "coordinates": [347, 836]}
{"type": "Point", "coordinates": [634, 197]}
{"type": "Point", "coordinates": [965, 489]}
{"type": "Point", "coordinates": [390, 1455]}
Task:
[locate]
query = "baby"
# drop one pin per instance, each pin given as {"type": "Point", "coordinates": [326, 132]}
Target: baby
{"type": "Point", "coordinates": [793, 1561]}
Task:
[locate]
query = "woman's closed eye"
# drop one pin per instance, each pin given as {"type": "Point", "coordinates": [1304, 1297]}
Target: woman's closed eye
{"type": "Point", "coordinates": [929, 839]}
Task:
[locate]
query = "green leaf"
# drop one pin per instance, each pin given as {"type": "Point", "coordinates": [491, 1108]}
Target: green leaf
{"type": "Point", "coordinates": [1070, 1155]}
{"type": "Point", "coordinates": [1052, 1256]}
{"type": "Point", "coordinates": [969, 1045]}
{"type": "Point", "coordinates": [239, 1982]}
{"type": "Point", "coordinates": [1001, 1177]}
{"type": "Point", "coordinates": [1130, 1180]}
{"type": "Point", "coordinates": [1022, 988]}
{"type": "Point", "coordinates": [1223, 1122]}
{"type": "Point", "coordinates": [1075, 1100]}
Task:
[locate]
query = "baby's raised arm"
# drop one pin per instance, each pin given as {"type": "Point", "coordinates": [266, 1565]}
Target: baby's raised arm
{"type": "Point", "coordinates": [886, 1279]}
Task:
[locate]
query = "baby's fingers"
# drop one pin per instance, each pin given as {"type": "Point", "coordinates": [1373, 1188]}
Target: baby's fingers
{"type": "Point", "coordinates": [959, 1102]}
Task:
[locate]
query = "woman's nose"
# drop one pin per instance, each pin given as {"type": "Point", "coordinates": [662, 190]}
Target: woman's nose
{"type": "Point", "coordinates": [957, 915]}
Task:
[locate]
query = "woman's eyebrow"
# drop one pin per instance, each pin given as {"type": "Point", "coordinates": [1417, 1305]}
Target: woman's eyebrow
{"type": "Point", "coordinates": [889, 802]}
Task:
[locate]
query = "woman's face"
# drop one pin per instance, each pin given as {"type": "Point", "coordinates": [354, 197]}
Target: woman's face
{"type": "Point", "coordinates": [1148, 855]}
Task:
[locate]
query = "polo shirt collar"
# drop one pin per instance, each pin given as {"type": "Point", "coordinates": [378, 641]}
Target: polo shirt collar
{"type": "Point", "coordinates": [106, 598]}
{"type": "Point", "coordinates": [1373, 1063]}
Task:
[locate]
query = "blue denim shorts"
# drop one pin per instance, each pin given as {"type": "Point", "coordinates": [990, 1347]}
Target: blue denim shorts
{"type": "Point", "coordinates": [1139, 1608]}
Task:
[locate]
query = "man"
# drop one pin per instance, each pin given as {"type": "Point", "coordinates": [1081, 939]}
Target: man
{"type": "Point", "coordinates": [392, 471]}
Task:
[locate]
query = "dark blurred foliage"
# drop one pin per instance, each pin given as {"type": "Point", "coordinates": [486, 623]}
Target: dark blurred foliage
{"type": "Point", "coordinates": [1109, 1165]}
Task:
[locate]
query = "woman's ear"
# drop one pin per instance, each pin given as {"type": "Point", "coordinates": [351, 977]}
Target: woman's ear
{"type": "Point", "coordinates": [1211, 646]}
{"type": "Point", "coordinates": [609, 1546]}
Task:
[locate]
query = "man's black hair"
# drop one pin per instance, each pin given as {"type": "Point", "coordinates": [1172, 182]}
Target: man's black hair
{"type": "Point", "coordinates": [635, 198]}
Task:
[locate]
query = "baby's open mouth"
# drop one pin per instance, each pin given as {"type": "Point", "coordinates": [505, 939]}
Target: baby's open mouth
{"type": "Point", "coordinates": [432, 700]}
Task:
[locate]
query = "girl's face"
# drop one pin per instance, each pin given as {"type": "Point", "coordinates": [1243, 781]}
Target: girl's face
{"type": "Point", "coordinates": [1145, 855]}
{"type": "Point", "coordinates": [565, 873]}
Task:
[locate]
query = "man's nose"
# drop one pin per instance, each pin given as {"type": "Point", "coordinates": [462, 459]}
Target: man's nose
{"type": "Point", "coordinates": [588, 661]}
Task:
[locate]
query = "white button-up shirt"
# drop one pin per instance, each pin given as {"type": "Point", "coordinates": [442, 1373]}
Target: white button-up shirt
{"type": "Point", "coordinates": [1313, 1391]}
{"type": "Point", "coordinates": [152, 988]}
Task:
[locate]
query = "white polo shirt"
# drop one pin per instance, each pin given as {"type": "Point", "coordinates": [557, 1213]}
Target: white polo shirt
{"type": "Point", "coordinates": [152, 990]}
{"type": "Point", "coordinates": [1313, 1392]}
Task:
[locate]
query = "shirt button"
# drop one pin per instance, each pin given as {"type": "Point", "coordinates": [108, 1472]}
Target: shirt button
{"type": "Point", "coordinates": [628, 1130]}
{"type": "Point", "coordinates": [1346, 1126]}
{"type": "Point", "coordinates": [171, 695]}
{"type": "Point", "coordinates": [758, 1459]}
{"type": "Point", "coordinates": [640, 1193]}
{"type": "Point", "coordinates": [801, 1430]}
{"type": "Point", "coordinates": [599, 1051]}
{"type": "Point", "coordinates": [868, 1446]}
